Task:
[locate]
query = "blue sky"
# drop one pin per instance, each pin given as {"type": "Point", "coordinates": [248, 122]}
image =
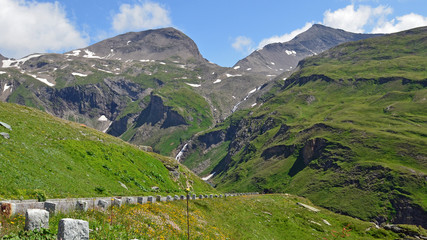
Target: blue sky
{"type": "Point", "coordinates": [225, 30]}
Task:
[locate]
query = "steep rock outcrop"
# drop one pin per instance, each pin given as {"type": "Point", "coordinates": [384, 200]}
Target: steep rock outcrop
{"type": "Point", "coordinates": [157, 113]}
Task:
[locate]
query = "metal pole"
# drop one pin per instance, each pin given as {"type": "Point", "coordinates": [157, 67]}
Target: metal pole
{"type": "Point", "coordinates": [188, 219]}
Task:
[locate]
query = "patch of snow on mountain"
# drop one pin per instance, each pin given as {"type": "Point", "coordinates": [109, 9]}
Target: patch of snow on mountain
{"type": "Point", "coordinates": [193, 85]}
{"type": "Point", "coordinates": [199, 77]}
{"type": "Point", "coordinates": [233, 97]}
{"type": "Point", "coordinates": [103, 118]}
{"type": "Point", "coordinates": [162, 63]}
{"type": "Point", "coordinates": [6, 87]}
{"type": "Point", "coordinates": [144, 60]}
{"type": "Point", "coordinates": [74, 53]}
{"type": "Point", "coordinates": [179, 155]}
{"type": "Point", "coordinates": [102, 70]}
{"type": "Point", "coordinates": [271, 75]}
{"type": "Point", "coordinates": [248, 69]}
{"type": "Point", "coordinates": [1, 72]}
{"type": "Point", "coordinates": [272, 63]}
{"type": "Point", "coordinates": [230, 75]}
{"type": "Point", "coordinates": [213, 73]}
{"type": "Point", "coordinates": [284, 79]}
{"type": "Point", "coordinates": [79, 74]}
{"type": "Point", "coordinates": [217, 81]}
{"type": "Point", "coordinates": [106, 129]}
{"type": "Point", "coordinates": [208, 177]}
{"type": "Point", "coordinates": [252, 91]}
{"type": "Point", "coordinates": [43, 80]}
{"type": "Point", "coordinates": [253, 105]}
{"type": "Point", "coordinates": [175, 61]}
{"type": "Point", "coordinates": [90, 54]}
{"type": "Point", "coordinates": [289, 52]}
{"type": "Point", "coordinates": [236, 67]}
{"type": "Point", "coordinates": [182, 66]}
{"type": "Point", "coordinates": [111, 50]}
{"type": "Point", "coordinates": [8, 62]}
{"type": "Point", "coordinates": [128, 42]}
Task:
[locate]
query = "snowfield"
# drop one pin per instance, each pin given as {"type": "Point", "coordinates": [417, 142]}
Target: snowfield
{"type": "Point", "coordinates": [79, 74]}
{"type": "Point", "coordinates": [193, 85]}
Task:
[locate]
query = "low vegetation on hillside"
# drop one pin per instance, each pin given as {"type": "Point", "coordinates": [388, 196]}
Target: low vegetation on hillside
{"type": "Point", "coordinates": [52, 157]}
{"type": "Point", "coordinates": [245, 217]}
{"type": "Point", "coordinates": [354, 143]}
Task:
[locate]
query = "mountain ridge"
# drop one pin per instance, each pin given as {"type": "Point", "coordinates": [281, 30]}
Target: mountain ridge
{"type": "Point", "coordinates": [276, 58]}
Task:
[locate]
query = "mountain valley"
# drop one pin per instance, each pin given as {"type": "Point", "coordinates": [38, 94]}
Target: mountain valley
{"type": "Point", "coordinates": [338, 118]}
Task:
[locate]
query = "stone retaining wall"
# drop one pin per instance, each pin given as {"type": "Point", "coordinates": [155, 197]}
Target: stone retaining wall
{"type": "Point", "coordinates": [11, 207]}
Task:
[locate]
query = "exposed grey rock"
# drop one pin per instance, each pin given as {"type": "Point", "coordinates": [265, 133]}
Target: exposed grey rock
{"type": "Point", "coordinates": [36, 219]}
{"type": "Point", "coordinates": [5, 135]}
{"type": "Point", "coordinates": [71, 229]}
{"type": "Point", "coordinates": [6, 125]}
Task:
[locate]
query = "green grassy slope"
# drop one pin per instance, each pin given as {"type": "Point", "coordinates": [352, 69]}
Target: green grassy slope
{"type": "Point", "coordinates": [356, 144]}
{"type": "Point", "coordinates": [58, 158]}
{"type": "Point", "coordinates": [246, 217]}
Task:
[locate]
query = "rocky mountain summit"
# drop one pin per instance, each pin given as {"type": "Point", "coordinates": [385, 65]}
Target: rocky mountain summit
{"type": "Point", "coordinates": [276, 58]}
{"type": "Point", "coordinates": [159, 44]}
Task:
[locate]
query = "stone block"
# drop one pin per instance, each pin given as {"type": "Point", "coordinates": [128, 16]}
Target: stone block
{"type": "Point", "coordinates": [142, 200]}
{"type": "Point", "coordinates": [70, 229]}
{"type": "Point", "coordinates": [117, 202]}
{"type": "Point", "coordinates": [182, 197]}
{"type": "Point", "coordinates": [176, 198]}
{"type": "Point", "coordinates": [193, 197]}
{"type": "Point", "coordinates": [158, 197]}
{"type": "Point", "coordinates": [130, 200]}
{"type": "Point", "coordinates": [36, 219]}
{"type": "Point", "coordinates": [211, 196]}
{"type": "Point", "coordinates": [151, 199]}
{"type": "Point", "coordinates": [82, 205]}
{"type": "Point", "coordinates": [169, 198]}
{"type": "Point", "coordinates": [51, 207]}
{"type": "Point", "coordinates": [102, 204]}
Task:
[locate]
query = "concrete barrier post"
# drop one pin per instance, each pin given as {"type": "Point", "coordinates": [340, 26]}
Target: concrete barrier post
{"type": "Point", "coordinates": [36, 219]}
{"type": "Point", "coordinates": [82, 205]}
{"type": "Point", "coordinates": [51, 207]}
{"type": "Point", "coordinates": [142, 200]}
{"type": "Point", "coordinates": [151, 199]}
{"type": "Point", "coordinates": [69, 229]}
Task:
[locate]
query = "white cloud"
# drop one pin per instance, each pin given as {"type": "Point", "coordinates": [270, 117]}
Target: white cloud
{"type": "Point", "coordinates": [285, 37]}
{"type": "Point", "coordinates": [401, 23]}
{"type": "Point", "coordinates": [243, 44]}
{"type": "Point", "coordinates": [355, 20]}
{"type": "Point", "coordinates": [28, 26]}
{"type": "Point", "coordinates": [141, 16]}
